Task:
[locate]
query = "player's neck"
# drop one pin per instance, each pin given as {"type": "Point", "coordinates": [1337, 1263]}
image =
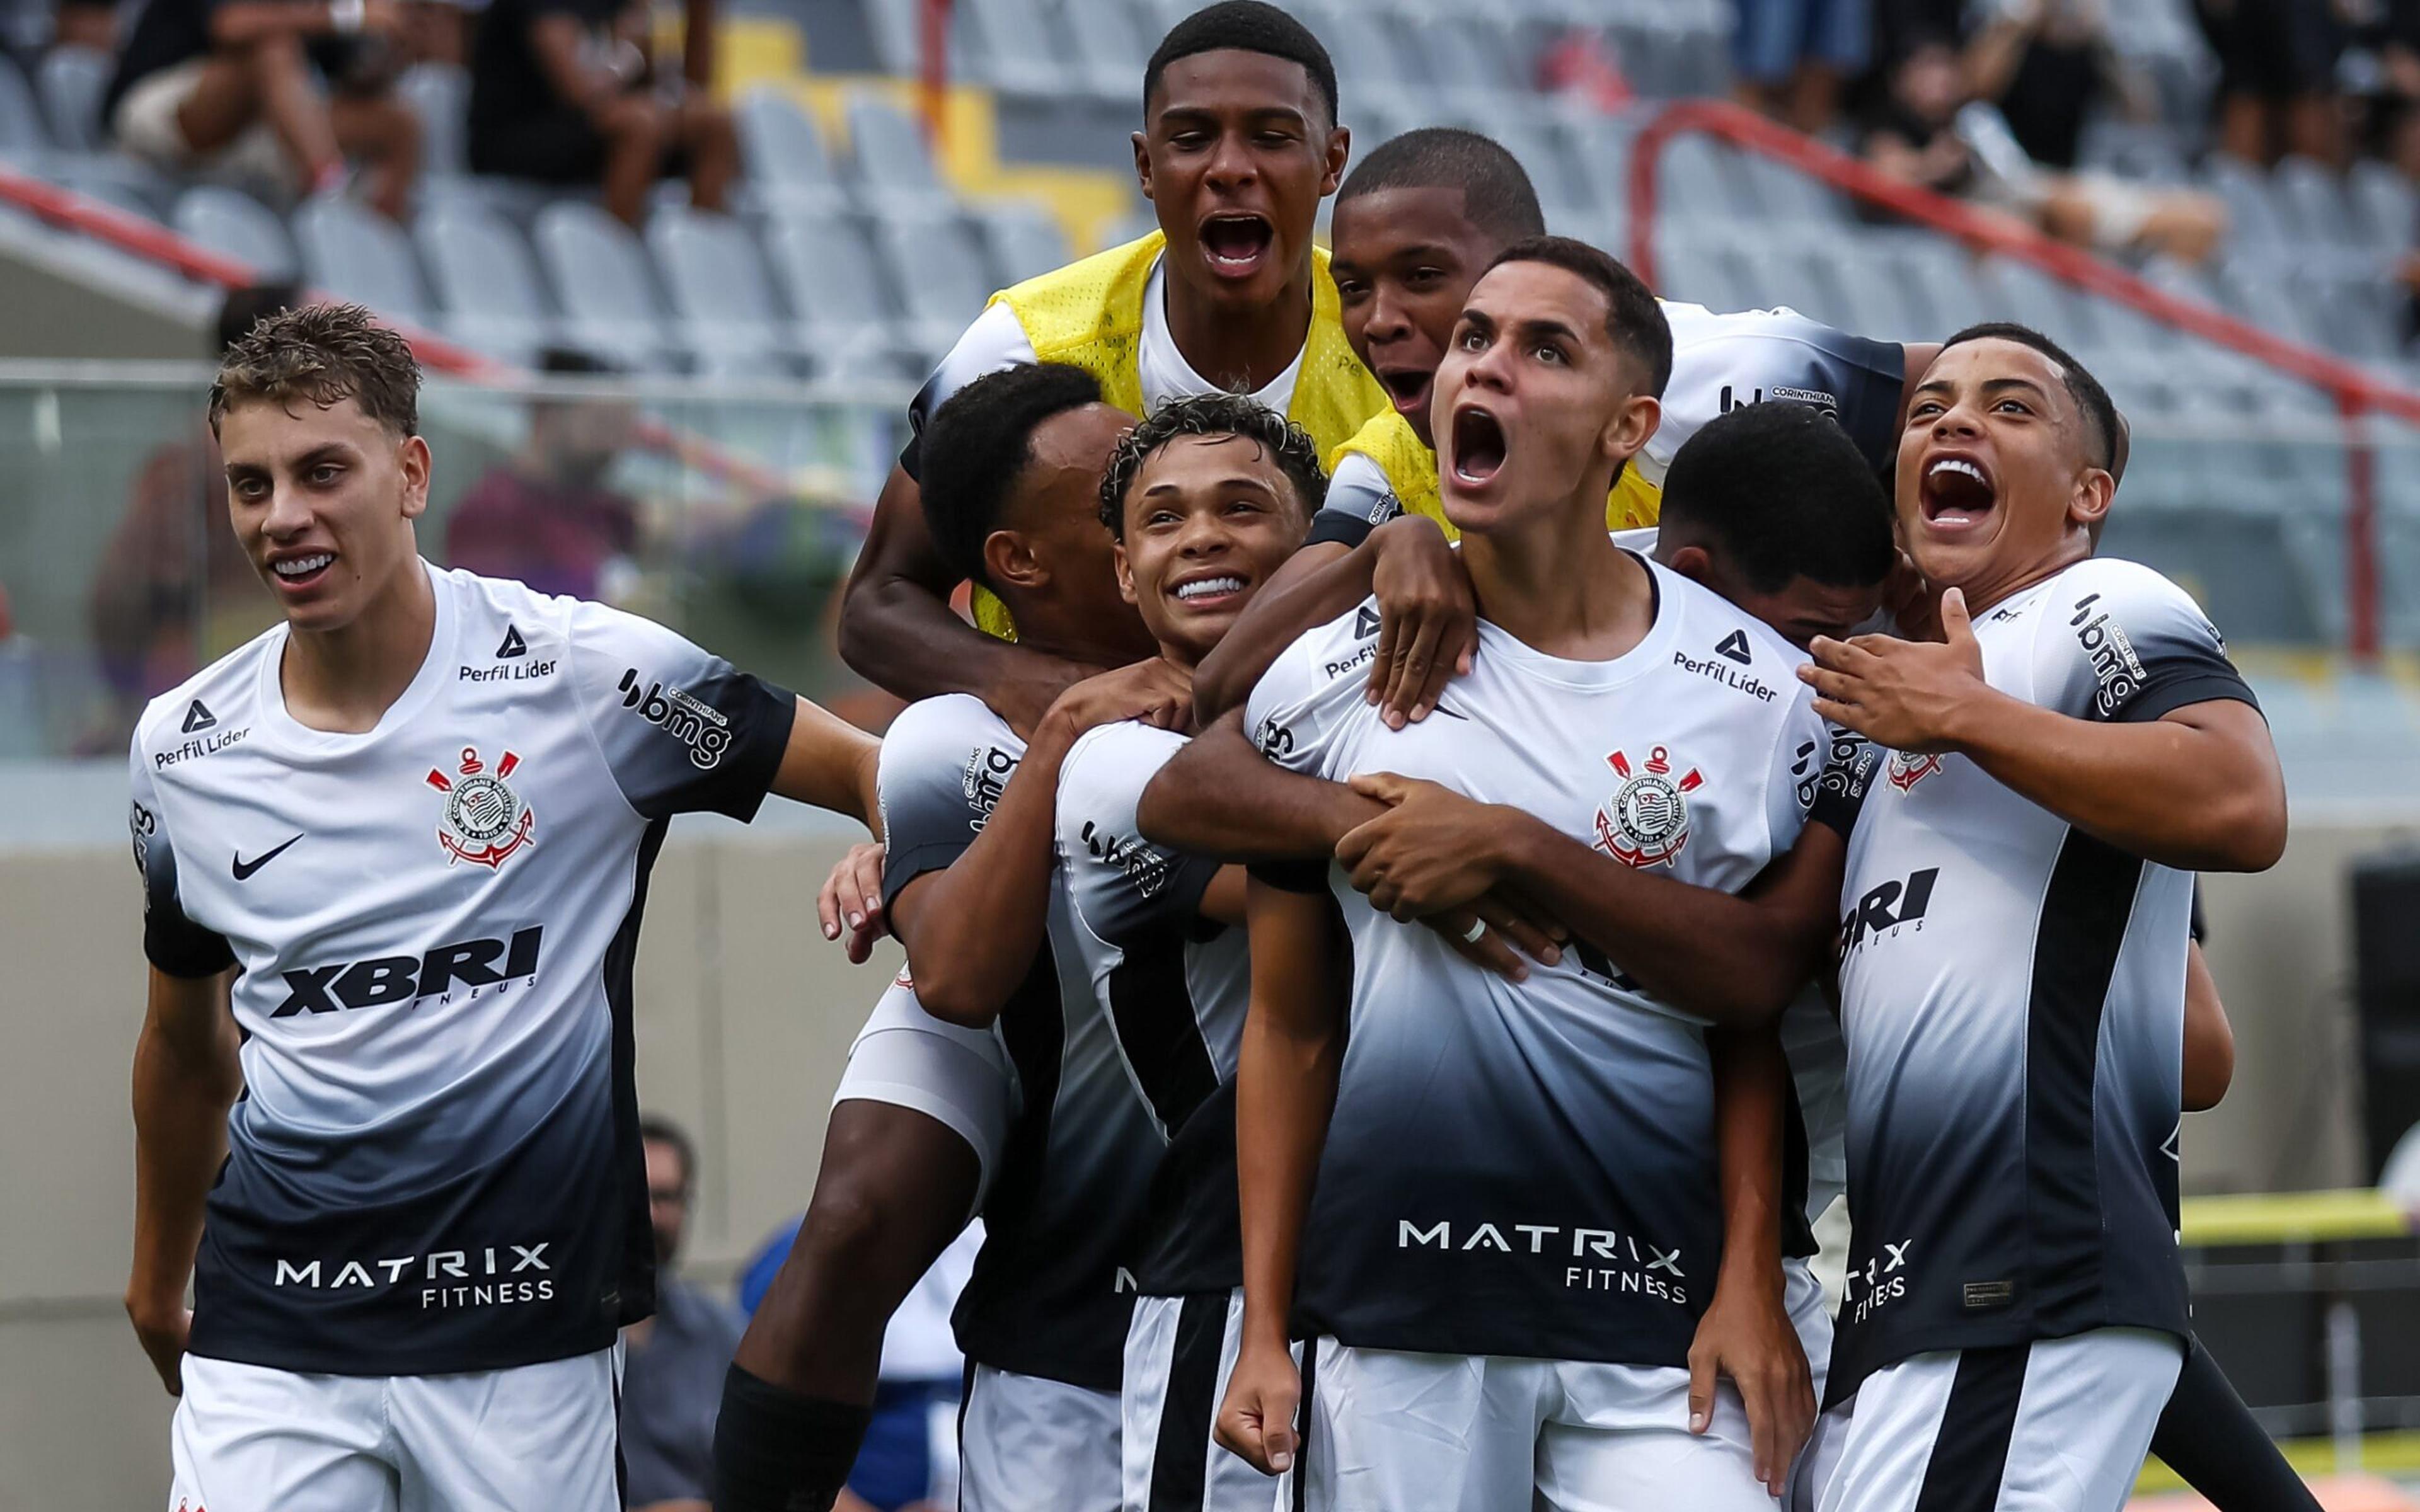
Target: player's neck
{"type": "Point", "coordinates": [1243, 352]}
{"type": "Point", "coordinates": [1995, 584]}
{"type": "Point", "coordinates": [343, 681]}
{"type": "Point", "coordinates": [1561, 586]}
{"type": "Point", "coordinates": [1053, 630]}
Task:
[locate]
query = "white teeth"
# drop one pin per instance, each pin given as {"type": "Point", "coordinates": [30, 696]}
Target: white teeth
{"type": "Point", "coordinates": [1956, 464]}
{"type": "Point", "coordinates": [303, 566]}
{"type": "Point", "coordinates": [1209, 587]}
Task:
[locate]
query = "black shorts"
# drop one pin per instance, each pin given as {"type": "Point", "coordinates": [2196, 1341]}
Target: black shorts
{"type": "Point", "coordinates": [557, 147]}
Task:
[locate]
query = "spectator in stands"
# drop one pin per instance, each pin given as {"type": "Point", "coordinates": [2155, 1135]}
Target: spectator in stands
{"type": "Point", "coordinates": [2276, 78]}
{"type": "Point", "coordinates": [232, 86]}
{"type": "Point", "coordinates": [175, 590]}
{"type": "Point", "coordinates": [673, 1362]}
{"type": "Point", "coordinates": [1792, 56]}
{"type": "Point", "coordinates": [547, 517]}
{"type": "Point", "coordinates": [566, 92]}
{"type": "Point", "coordinates": [1928, 129]}
{"type": "Point", "coordinates": [2045, 64]}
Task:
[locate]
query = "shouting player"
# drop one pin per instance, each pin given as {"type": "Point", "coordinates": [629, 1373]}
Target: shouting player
{"type": "Point", "coordinates": [1239, 146]}
{"type": "Point", "coordinates": [416, 820]}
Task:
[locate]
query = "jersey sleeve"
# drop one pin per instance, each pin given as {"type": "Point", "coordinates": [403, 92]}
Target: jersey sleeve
{"type": "Point", "coordinates": [1359, 500]}
{"type": "Point", "coordinates": [1122, 886]}
{"type": "Point", "coordinates": [1850, 763]}
{"type": "Point", "coordinates": [994, 342]}
{"type": "Point", "coordinates": [171, 940]}
{"type": "Point", "coordinates": [945, 761]}
{"type": "Point", "coordinates": [1797, 778]}
{"type": "Point", "coordinates": [1306, 713]}
{"type": "Point", "coordinates": [2122, 643]}
{"type": "Point", "coordinates": [1721, 362]}
{"type": "Point", "coordinates": [682, 730]}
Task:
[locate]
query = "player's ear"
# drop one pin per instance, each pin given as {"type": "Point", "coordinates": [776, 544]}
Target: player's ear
{"type": "Point", "coordinates": [1632, 427]}
{"type": "Point", "coordinates": [1010, 560]}
{"type": "Point", "coordinates": [413, 457]}
{"type": "Point", "coordinates": [2088, 506]}
{"type": "Point", "coordinates": [1340, 153]}
{"type": "Point", "coordinates": [1143, 163]}
{"type": "Point", "coordinates": [1125, 572]}
{"type": "Point", "coordinates": [1694, 563]}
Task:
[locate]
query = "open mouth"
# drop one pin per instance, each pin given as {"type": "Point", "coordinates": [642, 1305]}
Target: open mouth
{"type": "Point", "coordinates": [1210, 592]}
{"type": "Point", "coordinates": [1408, 386]}
{"type": "Point", "coordinates": [303, 571]}
{"type": "Point", "coordinates": [1956, 492]}
{"type": "Point", "coordinates": [1235, 245]}
{"type": "Point", "coordinates": [1478, 445]}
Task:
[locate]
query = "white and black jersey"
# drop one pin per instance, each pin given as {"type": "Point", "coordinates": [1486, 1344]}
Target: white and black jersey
{"type": "Point", "coordinates": [1174, 987]}
{"type": "Point", "coordinates": [1047, 1298]}
{"type": "Point", "coordinates": [1530, 1168]}
{"type": "Point", "coordinates": [2012, 994]}
{"type": "Point", "coordinates": [435, 1166]}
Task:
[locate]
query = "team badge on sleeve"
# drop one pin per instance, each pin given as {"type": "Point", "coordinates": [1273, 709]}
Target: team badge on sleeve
{"type": "Point", "coordinates": [1646, 822]}
{"type": "Point", "coordinates": [484, 820]}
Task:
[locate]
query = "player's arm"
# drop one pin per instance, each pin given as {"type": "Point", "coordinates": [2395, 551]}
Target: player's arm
{"type": "Point", "coordinates": [1285, 1092]}
{"type": "Point", "coordinates": [2209, 1040]}
{"type": "Point", "coordinates": [186, 1077]}
{"type": "Point", "coordinates": [971, 928]}
{"type": "Point", "coordinates": [2197, 788]}
{"type": "Point", "coordinates": [1746, 1333]}
{"type": "Point", "coordinates": [898, 632]}
{"type": "Point", "coordinates": [829, 763]}
{"type": "Point", "coordinates": [1220, 796]}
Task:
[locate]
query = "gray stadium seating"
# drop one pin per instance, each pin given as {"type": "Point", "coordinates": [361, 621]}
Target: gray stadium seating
{"type": "Point", "coordinates": [824, 266]}
{"type": "Point", "coordinates": [440, 95]}
{"type": "Point", "coordinates": [1023, 240]}
{"type": "Point", "coordinates": [228, 221]}
{"type": "Point", "coordinates": [888, 150]}
{"type": "Point", "coordinates": [356, 252]}
{"type": "Point", "coordinates": [22, 130]}
{"type": "Point", "coordinates": [720, 289]}
{"type": "Point", "coordinates": [940, 275]}
{"type": "Point", "coordinates": [485, 280]}
{"type": "Point", "coordinates": [1109, 46]}
{"type": "Point", "coordinates": [71, 80]}
{"type": "Point", "coordinates": [785, 153]}
{"type": "Point", "coordinates": [1013, 47]}
{"type": "Point", "coordinates": [601, 279]}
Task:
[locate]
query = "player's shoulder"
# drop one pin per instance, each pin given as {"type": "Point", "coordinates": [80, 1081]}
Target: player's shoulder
{"type": "Point", "coordinates": [949, 721]}
{"type": "Point", "coordinates": [2115, 583]}
{"type": "Point", "coordinates": [1127, 749]}
{"type": "Point", "coordinates": [213, 708]}
{"type": "Point", "coordinates": [1727, 631]}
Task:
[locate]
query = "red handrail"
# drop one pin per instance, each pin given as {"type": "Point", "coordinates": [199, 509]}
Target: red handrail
{"type": "Point", "coordinates": [2356, 391]}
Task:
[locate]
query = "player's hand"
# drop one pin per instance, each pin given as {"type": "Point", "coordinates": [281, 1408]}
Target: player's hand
{"type": "Point", "coordinates": [1902, 694]}
{"type": "Point", "coordinates": [1428, 619]}
{"type": "Point", "coordinates": [851, 900]}
{"type": "Point", "coordinates": [1504, 930]}
{"type": "Point", "coordinates": [163, 1329]}
{"type": "Point", "coordinates": [1256, 1421]}
{"type": "Point", "coordinates": [1156, 691]}
{"type": "Point", "coordinates": [1025, 698]}
{"type": "Point", "coordinates": [1433, 850]}
{"type": "Point", "coordinates": [1746, 1335]}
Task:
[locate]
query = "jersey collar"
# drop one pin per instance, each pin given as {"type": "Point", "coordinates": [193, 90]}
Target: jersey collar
{"type": "Point", "coordinates": [283, 730]}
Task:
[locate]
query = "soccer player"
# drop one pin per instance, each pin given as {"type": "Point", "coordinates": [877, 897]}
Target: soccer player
{"type": "Point", "coordinates": [399, 1156]}
{"type": "Point", "coordinates": [1238, 147]}
{"type": "Point", "coordinates": [1516, 1220]}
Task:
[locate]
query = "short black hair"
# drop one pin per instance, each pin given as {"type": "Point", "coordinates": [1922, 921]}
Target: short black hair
{"type": "Point", "coordinates": [1214, 414]}
{"type": "Point", "coordinates": [1246, 26]}
{"type": "Point", "coordinates": [653, 1128]}
{"type": "Point", "coordinates": [979, 442]}
{"type": "Point", "coordinates": [1633, 317]}
{"type": "Point", "coordinates": [1782, 488]}
{"type": "Point", "coordinates": [1497, 194]}
{"type": "Point", "coordinates": [2100, 410]}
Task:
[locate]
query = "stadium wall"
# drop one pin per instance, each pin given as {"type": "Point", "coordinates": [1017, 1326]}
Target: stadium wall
{"type": "Point", "coordinates": [745, 1014]}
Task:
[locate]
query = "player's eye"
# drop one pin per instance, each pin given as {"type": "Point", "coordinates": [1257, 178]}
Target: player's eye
{"type": "Point", "coordinates": [1922, 407]}
{"type": "Point", "coordinates": [1350, 291]}
{"type": "Point", "coordinates": [1550, 354]}
{"type": "Point", "coordinates": [1471, 340]}
{"type": "Point", "coordinates": [2016, 406]}
{"type": "Point", "coordinates": [326, 473]}
{"type": "Point", "coordinates": [1424, 278]}
{"type": "Point", "coordinates": [1275, 139]}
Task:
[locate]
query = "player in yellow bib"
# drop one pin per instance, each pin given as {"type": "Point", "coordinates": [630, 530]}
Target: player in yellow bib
{"type": "Point", "coordinates": [1240, 145]}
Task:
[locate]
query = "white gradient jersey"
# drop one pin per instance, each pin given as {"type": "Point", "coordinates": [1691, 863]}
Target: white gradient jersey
{"type": "Point", "coordinates": [2012, 994]}
{"type": "Point", "coordinates": [1174, 987]}
{"type": "Point", "coordinates": [1050, 1295]}
{"type": "Point", "coordinates": [435, 1166]}
{"type": "Point", "coordinates": [1530, 1168]}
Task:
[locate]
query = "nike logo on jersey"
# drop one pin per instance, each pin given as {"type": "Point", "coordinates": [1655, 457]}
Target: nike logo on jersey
{"type": "Point", "coordinates": [244, 869]}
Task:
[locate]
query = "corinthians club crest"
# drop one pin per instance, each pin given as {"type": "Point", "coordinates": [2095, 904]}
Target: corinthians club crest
{"type": "Point", "coordinates": [1905, 771]}
{"type": "Point", "coordinates": [1646, 822]}
{"type": "Point", "coordinates": [484, 820]}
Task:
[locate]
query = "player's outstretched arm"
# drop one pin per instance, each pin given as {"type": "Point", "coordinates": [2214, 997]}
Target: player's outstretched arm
{"type": "Point", "coordinates": [1220, 797]}
{"type": "Point", "coordinates": [186, 1077]}
{"type": "Point", "coordinates": [1746, 1333]}
{"type": "Point", "coordinates": [2197, 788]}
{"type": "Point", "coordinates": [2209, 1040]}
{"type": "Point", "coordinates": [1285, 1092]}
{"type": "Point", "coordinates": [973, 927]}
{"type": "Point", "coordinates": [1427, 618]}
{"type": "Point", "coordinates": [829, 763]}
{"type": "Point", "coordinates": [898, 632]}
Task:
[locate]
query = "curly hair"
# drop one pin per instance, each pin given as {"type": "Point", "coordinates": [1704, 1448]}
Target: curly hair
{"type": "Point", "coordinates": [324, 354]}
{"type": "Point", "coordinates": [1214, 414]}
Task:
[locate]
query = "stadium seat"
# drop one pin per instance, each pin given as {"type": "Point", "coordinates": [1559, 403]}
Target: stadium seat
{"type": "Point", "coordinates": [1789, 196]}
{"type": "Point", "coordinates": [22, 132]}
{"type": "Point", "coordinates": [601, 279]}
{"type": "Point", "coordinates": [825, 267]}
{"type": "Point", "coordinates": [785, 153]}
{"type": "Point", "coordinates": [2382, 205]}
{"type": "Point", "coordinates": [486, 282]}
{"type": "Point", "coordinates": [720, 289]}
{"type": "Point", "coordinates": [231, 221]}
{"type": "Point", "coordinates": [1110, 45]}
{"type": "Point", "coordinates": [1013, 49]}
{"type": "Point", "coordinates": [1023, 240]}
{"type": "Point", "coordinates": [2314, 203]}
{"type": "Point", "coordinates": [940, 275]}
{"type": "Point", "coordinates": [2252, 215]}
{"type": "Point", "coordinates": [888, 149]}
{"type": "Point", "coordinates": [71, 80]}
{"type": "Point", "coordinates": [1699, 178]}
{"type": "Point", "coordinates": [440, 95]}
{"type": "Point", "coordinates": [356, 252]}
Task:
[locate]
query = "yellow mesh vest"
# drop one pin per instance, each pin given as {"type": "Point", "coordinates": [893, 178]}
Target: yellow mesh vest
{"type": "Point", "coordinates": [1088, 315]}
{"type": "Point", "coordinates": [1411, 471]}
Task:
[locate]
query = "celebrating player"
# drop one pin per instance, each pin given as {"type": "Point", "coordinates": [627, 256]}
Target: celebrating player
{"type": "Point", "coordinates": [1238, 147]}
{"type": "Point", "coordinates": [416, 820]}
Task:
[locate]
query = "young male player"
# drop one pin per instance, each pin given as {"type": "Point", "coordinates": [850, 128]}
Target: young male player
{"type": "Point", "coordinates": [1238, 147]}
{"type": "Point", "coordinates": [1516, 1218]}
{"type": "Point", "coordinates": [2053, 774]}
{"type": "Point", "coordinates": [417, 820]}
